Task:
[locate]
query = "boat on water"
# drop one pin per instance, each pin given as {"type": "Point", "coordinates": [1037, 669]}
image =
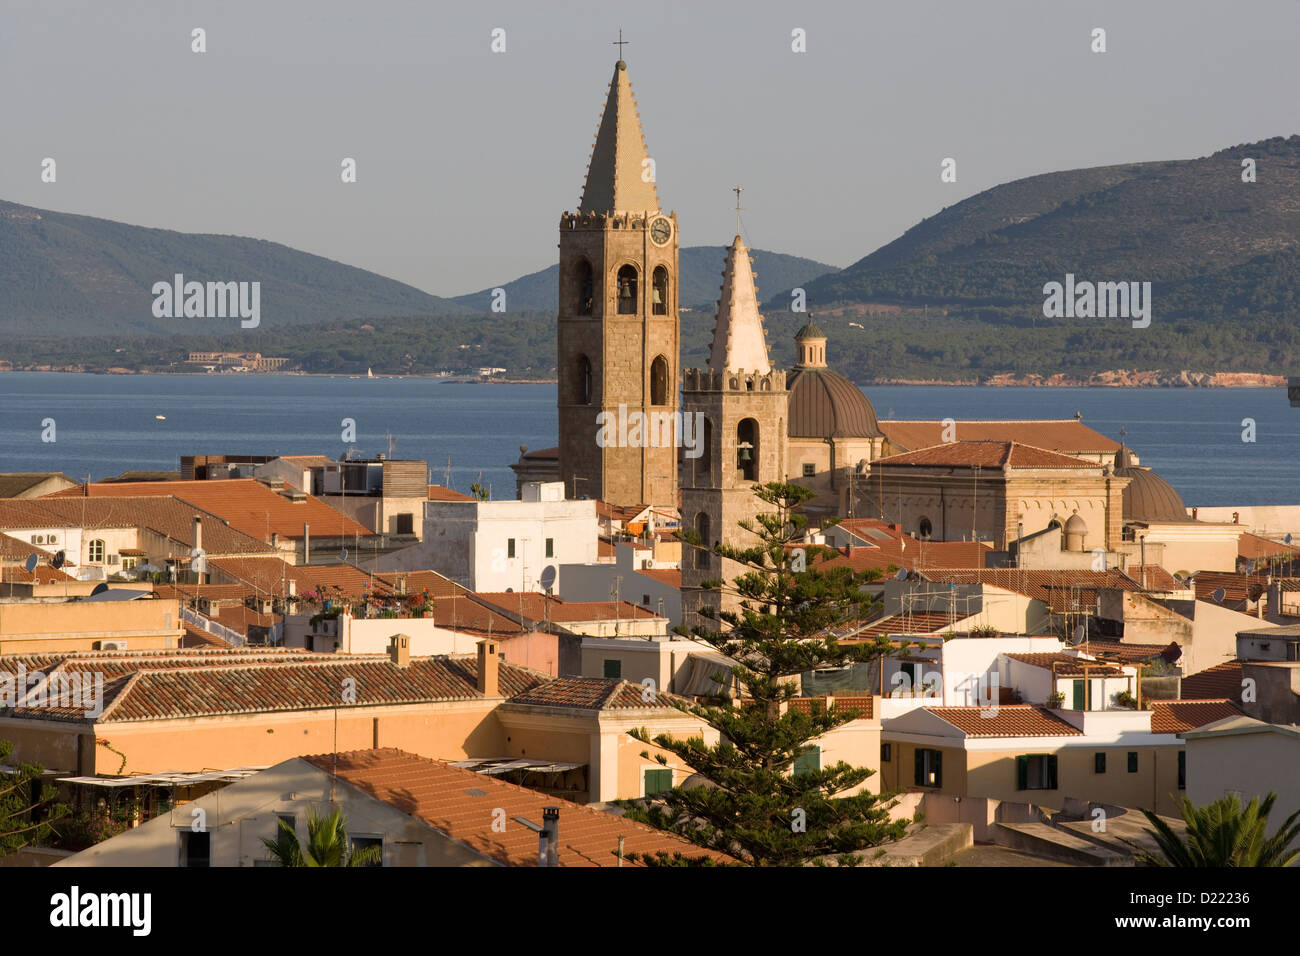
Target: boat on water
{"type": "Point", "coordinates": [369, 374]}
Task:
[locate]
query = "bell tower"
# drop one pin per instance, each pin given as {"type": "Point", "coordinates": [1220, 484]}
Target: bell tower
{"type": "Point", "coordinates": [743, 406]}
{"type": "Point", "coordinates": [618, 342]}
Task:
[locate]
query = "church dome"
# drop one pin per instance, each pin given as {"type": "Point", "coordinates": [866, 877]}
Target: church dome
{"type": "Point", "coordinates": [825, 404]}
{"type": "Point", "coordinates": [1149, 497]}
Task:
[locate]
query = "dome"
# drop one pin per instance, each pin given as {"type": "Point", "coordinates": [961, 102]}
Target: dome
{"type": "Point", "coordinates": [809, 331]}
{"type": "Point", "coordinates": [1149, 497]}
{"type": "Point", "coordinates": [825, 404]}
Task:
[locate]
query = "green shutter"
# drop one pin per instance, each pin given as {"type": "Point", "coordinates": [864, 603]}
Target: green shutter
{"type": "Point", "coordinates": [1051, 772]}
{"type": "Point", "coordinates": [657, 781]}
{"type": "Point", "coordinates": [920, 767]}
{"type": "Point", "coordinates": [1080, 695]}
{"type": "Point", "coordinates": [808, 761]}
{"type": "Point", "coordinates": [613, 668]}
{"type": "Point", "coordinates": [1022, 772]}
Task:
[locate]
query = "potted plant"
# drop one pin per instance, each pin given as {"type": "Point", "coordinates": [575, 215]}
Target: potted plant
{"type": "Point", "coordinates": [1056, 700]}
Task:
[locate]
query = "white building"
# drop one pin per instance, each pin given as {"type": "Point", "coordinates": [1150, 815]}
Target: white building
{"type": "Point", "coordinates": [502, 545]}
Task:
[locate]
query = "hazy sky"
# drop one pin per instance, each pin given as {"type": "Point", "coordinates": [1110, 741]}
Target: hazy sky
{"type": "Point", "coordinates": [466, 158]}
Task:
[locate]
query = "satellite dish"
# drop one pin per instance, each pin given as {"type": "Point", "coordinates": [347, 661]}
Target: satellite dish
{"type": "Point", "coordinates": [343, 555]}
{"type": "Point", "coordinates": [58, 560]}
{"type": "Point", "coordinates": [99, 589]}
{"type": "Point", "coordinates": [1218, 595]}
{"type": "Point", "coordinates": [1287, 539]}
{"type": "Point", "coordinates": [901, 575]}
{"type": "Point", "coordinates": [548, 577]}
{"type": "Point", "coordinates": [30, 563]}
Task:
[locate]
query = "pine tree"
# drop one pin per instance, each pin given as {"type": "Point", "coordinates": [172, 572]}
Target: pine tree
{"type": "Point", "coordinates": [27, 807]}
{"type": "Point", "coordinates": [754, 807]}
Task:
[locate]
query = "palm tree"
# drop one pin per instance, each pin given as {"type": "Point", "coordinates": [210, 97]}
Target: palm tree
{"type": "Point", "coordinates": [327, 844]}
{"type": "Point", "coordinates": [1223, 834]}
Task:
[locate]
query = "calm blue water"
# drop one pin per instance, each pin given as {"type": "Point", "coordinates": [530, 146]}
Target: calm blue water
{"type": "Point", "coordinates": [105, 424]}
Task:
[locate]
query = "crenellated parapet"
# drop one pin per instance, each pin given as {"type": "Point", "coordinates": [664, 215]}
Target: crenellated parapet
{"type": "Point", "coordinates": [735, 380]}
{"type": "Point", "coordinates": [598, 221]}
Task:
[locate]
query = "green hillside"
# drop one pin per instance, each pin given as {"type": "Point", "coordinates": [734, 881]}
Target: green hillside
{"type": "Point", "coordinates": [77, 275]}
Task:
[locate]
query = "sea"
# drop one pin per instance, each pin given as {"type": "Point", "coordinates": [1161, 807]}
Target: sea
{"type": "Point", "coordinates": [103, 425]}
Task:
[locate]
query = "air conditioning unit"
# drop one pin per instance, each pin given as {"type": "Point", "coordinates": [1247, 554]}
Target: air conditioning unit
{"type": "Point", "coordinates": [112, 645]}
{"type": "Point", "coordinates": [112, 559]}
{"type": "Point", "coordinates": [52, 539]}
{"type": "Point", "coordinates": [647, 564]}
{"type": "Point", "coordinates": [38, 539]}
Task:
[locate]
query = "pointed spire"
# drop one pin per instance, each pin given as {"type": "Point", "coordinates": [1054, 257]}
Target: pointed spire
{"type": "Point", "coordinates": [614, 182]}
{"type": "Point", "coordinates": [739, 343]}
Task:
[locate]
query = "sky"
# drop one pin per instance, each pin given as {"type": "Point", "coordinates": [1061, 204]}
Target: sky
{"type": "Point", "coordinates": [467, 157]}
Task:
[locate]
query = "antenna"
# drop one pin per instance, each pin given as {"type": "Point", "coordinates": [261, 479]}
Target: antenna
{"type": "Point", "coordinates": [738, 190]}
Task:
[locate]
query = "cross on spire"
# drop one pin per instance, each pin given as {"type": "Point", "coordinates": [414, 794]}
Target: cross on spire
{"type": "Point", "coordinates": [620, 43]}
{"type": "Point", "coordinates": [738, 190]}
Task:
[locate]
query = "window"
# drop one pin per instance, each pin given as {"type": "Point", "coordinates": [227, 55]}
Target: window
{"type": "Point", "coordinates": [510, 547]}
{"type": "Point", "coordinates": [613, 668]}
{"type": "Point", "coordinates": [585, 287]}
{"type": "Point", "coordinates": [1080, 688]}
{"type": "Point", "coordinates": [645, 600]}
{"type": "Point", "coordinates": [657, 781]}
{"type": "Point", "coordinates": [406, 523]}
{"type": "Point", "coordinates": [1132, 761]}
{"type": "Point", "coordinates": [1036, 772]}
{"type": "Point", "coordinates": [925, 529]}
{"type": "Point", "coordinates": [627, 295]}
{"type": "Point", "coordinates": [929, 768]}
{"type": "Point", "coordinates": [196, 849]}
{"type": "Point", "coordinates": [809, 470]}
{"type": "Point", "coordinates": [96, 551]}
{"type": "Point", "coordinates": [747, 450]}
{"type": "Point", "coordinates": [1182, 770]}
{"type": "Point", "coordinates": [808, 761]}
{"type": "Point", "coordinates": [1099, 763]}
{"type": "Point", "coordinates": [659, 381]}
{"type": "Point", "coordinates": [886, 753]}
{"type": "Point", "coordinates": [582, 380]}
{"type": "Point", "coordinates": [704, 464]}
{"type": "Point", "coordinates": [702, 551]}
{"type": "Point", "coordinates": [659, 294]}
{"type": "Point", "coordinates": [362, 843]}
{"type": "Point", "coordinates": [550, 547]}
{"type": "Point", "coordinates": [129, 563]}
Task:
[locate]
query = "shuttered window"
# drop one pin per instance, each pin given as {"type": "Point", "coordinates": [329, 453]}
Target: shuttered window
{"type": "Point", "coordinates": [1036, 772]}
{"type": "Point", "coordinates": [657, 781]}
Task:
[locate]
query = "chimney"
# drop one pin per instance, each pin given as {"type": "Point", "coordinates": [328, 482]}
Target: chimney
{"type": "Point", "coordinates": [399, 650]}
{"type": "Point", "coordinates": [551, 836]}
{"type": "Point", "coordinates": [293, 587]}
{"type": "Point", "coordinates": [306, 543]}
{"type": "Point", "coordinates": [198, 533]}
{"type": "Point", "coordinates": [275, 539]}
{"type": "Point", "coordinates": [488, 669]}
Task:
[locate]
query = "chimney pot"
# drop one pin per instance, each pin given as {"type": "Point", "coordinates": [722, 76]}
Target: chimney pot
{"type": "Point", "coordinates": [399, 650]}
{"type": "Point", "coordinates": [551, 827]}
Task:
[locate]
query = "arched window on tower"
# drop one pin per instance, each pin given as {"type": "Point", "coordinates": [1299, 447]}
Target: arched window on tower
{"type": "Point", "coordinates": [704, 464]}
{"type": "Point", "coordinates": [702, 552]}
{"type": "Point", "coordinates": [660, 291]}
{"type": "Point", "coordinates": [747, 450]}
{"type": "Point", "coordinates": [582, 381]}
{"type": "Point", "coordinates": [586, 286]}
{"type": "Point", "coordinates": [627, 294]}
{"type": "Point", "coordinates": [659, 381]}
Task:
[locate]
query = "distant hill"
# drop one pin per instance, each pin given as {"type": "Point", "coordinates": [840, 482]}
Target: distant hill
{"type": "Point", "coordinates": [1213, 247]}
{"type": "Point", "coordinates": [69, 275]}
{"type": "Point", "coordinates": [701, 280]}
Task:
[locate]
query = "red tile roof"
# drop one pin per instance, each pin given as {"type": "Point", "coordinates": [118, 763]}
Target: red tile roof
{"type": "Point", "coordinates": [539, 607]}
{"type": "Point", "coordinates": [918, 622]}
{"type": "Point", "coordinates": [1238, 588]}
{"type": "Point", "coordinates": [442, 493]}
{"type": "Point", "coordinates": [247, 504]}
{"type": "Point", "coordinates": [1252, 546]}
{"type": "Point", "coordinates": [1220, 681]}
{"type": "Point", "coordinates": [1068, 664]}
{"type": "Point", "coordinates": [1156, 578]}
{"type": "Point", "coordinates": [670, 576]}
{"type": "Point", "coordinates": [1062, 589]}
{"type": "Point", "coordinates": [1067, 436]}
{"type": "Point", "coordinates": [143, 686]}
{"type": "Point", "coordinates": [462, 804]}
{"type": "Point", "coordinates": [1178, 716]}
{"type": "Point", "coordinates": [1128, 653]}
{"type": "Point", "coordinates": [986, 454]}
{"type": "Point", "coordinates": [1008, 720]}
{"type": "Point", "coordinates": [594, 693]}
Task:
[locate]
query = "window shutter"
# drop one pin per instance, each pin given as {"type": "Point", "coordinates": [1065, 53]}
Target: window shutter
{"type": "Point", "coordinates": [1051, 772]}
{"type": "Point", "coordinates": [613, 668]}
{"type": "Point", "coordinates": [938, 767]}
{"type": "Point", "coordinates": [920, 767]}
{"type": "Point", "coordinates": [1080, 695]}
{"type": "Point", "coordinates": [1022, 772]}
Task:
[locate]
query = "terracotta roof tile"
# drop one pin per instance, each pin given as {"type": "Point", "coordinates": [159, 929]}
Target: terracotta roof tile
{"type": "Point", "coordinates": [670, 576]}
{"type": "Point", "coordinates": [461, 804]}
{"type": "Point", "coordinates": [1131, 653]}
{"type": "Point", "coordinates": [443, 493]}
{"type": "Point", "coordinates": [862, 705]}
{"type": "Point", "coordinates": [1177, 716]}
{"type": "Point", "coordinates": [1010, 720]}
{"type": "Point", "coordinates": [1067, 664]}
{"type": "Point", "coordinates": [539, 607]}
{"type": "Point", "coordinates": [594, 693]}
{"type": "Point", "coordinates": [1067, 436]}
{"type": "Point", "coordinates": [985, 454]}
{"type": "Point", "coordinates": [1220, 681]}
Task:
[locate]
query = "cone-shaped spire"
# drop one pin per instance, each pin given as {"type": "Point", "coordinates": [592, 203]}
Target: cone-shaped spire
{"type": "Point", "coordinates": [615, 180]}
{"type": "Point", "coordinates": [739, 343]}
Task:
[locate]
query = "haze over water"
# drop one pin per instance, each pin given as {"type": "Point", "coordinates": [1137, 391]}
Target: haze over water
{"type": "Point", "coordinates": [106, 424]}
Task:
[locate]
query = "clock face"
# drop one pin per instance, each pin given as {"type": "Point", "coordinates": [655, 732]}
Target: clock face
{"type": "Point", "coordinates": [661, 230]}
